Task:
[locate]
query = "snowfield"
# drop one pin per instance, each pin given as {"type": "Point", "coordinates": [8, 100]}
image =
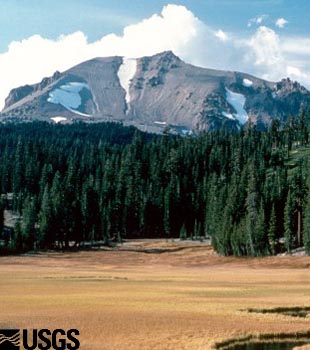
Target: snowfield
{"type": "Point", "coordinates": [126, 72]}
{"type": "Point", "coordinates": [187, 132]}
{"type": "Point", "coordinates": [228, 115]}
{"type": "Point", "coordinates": [247, 82]}
{"type": "Point", "coordinates": [58, 119]}
{"type": "Point", "coordinates": [237, 101]}
{"type": "Point", "coordinates": [68, 96]}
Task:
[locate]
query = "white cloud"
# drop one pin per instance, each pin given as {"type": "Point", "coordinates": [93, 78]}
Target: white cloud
{"type": "Point", "coordinates": [275, 58]}
{"type": "Point", "coordinates": [296, 46]}
{"type": "Point", "coordinates": [221, 35]}
{"type": "Point", "coordinates": [260, 19]}
{"type": "Point", "coordinates": [264, 53]}
{"type": "Point", "coordinates": [29, 60]}
{"type": "Point", "coordinates": [281, 22]}
{"type": "Point", "coordinates": [296, 74]}
{"type": "Point", "coordinates": [257, 20]}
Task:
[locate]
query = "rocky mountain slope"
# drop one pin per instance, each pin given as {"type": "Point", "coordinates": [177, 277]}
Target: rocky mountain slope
{"type": "Point", "coordinates": [155, 93]}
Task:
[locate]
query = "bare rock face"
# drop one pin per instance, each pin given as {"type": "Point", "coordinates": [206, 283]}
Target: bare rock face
{"type": "Point", "coordinates": [156, 94]}
{"type": "Point", "coordinates": [17, 95]}
{"type": "Point", "coordinates": [24, 91]}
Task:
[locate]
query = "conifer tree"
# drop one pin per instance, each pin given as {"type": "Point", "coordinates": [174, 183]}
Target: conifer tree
{"type": "Point", "coordinates": [272, 232]}
{"type": "Point", "coordinates": [299, 192]}
{"type": "Point", "coordinates": [252, 212]}
{"type": "Point", "coordinates": [289, 218]}
{"type": "Point", "coordinates": [2, 207]}
{"type": "Point", "coordinates": [18, 242]}
{"type": "Point", "coordinates": [261, 247]}
{"type": "Point", "coordinates": [306, 226]}
{"type": "Point", "coordinates": [183, 233]}
{"type": "Point", "coordinates": [28, 223]}
{"type": "Point", "coordinates": [46, 227]}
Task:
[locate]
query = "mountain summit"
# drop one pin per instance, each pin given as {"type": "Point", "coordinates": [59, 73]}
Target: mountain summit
{"type": "Point", "coordinates": [155, 94]}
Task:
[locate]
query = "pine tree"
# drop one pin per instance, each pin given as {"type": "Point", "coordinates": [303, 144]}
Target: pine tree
{"type": "Point", "coordinates": [183, 233]}
{"type": "Point", "coordinates": [272, 232]}
{"type": "Point", "coordinates": [252, 212]}
{"type": "Point", "coordinates": [2, 207]}
{"type": "Point", "coordinates": [46, 227]}
{"type": "Point", "coordinates": [261, 247]}
{"type": "Point", "coordinates": [299, 193]}
{"type": "Point", "coordinates": [306, 222]}
{"type": "Point", "coordinates": [28, 223]}
{"type": "Point", "coordinates": [18, 242]}
{"type": "Point", "coordinates": [58, 203]}
{"type": "Point", "coordinates": [289, 213]}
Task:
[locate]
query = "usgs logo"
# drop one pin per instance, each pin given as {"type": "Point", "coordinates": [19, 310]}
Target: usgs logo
{"type": "Point", "coordinates": [43, 339]}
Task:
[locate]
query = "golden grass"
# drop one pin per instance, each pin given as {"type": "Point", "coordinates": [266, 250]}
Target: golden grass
{"type": "Point", "coordinates": [186, 299]}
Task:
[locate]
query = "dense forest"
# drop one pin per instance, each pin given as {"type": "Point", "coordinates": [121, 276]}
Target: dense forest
{"type": "Point", "coordinates": [69, 184]}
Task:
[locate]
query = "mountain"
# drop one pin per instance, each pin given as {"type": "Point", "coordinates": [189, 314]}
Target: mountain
{"type": "Point", "coordinates": [156, 93]}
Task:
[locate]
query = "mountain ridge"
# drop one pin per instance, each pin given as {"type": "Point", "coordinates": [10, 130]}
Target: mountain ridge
{"type": "Point", "coordinates": [156, 93]}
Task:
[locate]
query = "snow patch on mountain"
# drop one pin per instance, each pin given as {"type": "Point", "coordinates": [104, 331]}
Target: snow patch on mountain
{"type": "Point", "coordinates": [187, 132]}
{"type": "Point", "coordinates": [228, 115]}
{"type": "Point", "coordinates": [58, 119]}
{"type": "Point", "coordinates": [126, 72]}
{"type": "Point", "coordinates": [68, 95]}
{"type": "Point", "coordinates": [247, 82]}
{"type": "Point", "coordinates": [237, 101]}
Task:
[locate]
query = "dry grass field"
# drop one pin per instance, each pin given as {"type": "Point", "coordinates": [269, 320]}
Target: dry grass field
{"type": "Point", "coordinates": [186, 298]}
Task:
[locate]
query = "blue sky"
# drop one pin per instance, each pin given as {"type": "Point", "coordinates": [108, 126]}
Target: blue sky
{"type": "Point", "coordinates": [22, 18]}
{"type": "Point", "coordinates": [266, 38]}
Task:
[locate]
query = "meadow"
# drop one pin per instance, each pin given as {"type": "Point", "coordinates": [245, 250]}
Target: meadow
{"type": "Point", "coordinates": [186, 297]}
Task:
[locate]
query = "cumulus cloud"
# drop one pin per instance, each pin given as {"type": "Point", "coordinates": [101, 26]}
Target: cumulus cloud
{"type": "Point", "coordinates": [264, 53]}
{"type": "Point", "coordinates": [275, 58]}
{"type": "Point", "coordinates": [29, 60]}
{"type": "Point", "coordinates": [221, 35]}
{"type": "Point", "coordinates": [257, 20]}
{"type": "Point", "coordinates": [281, 22]}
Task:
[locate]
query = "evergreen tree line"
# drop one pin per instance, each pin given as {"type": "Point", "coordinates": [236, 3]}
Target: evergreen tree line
{"type": "Point", "coordinates": [88, 183]}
